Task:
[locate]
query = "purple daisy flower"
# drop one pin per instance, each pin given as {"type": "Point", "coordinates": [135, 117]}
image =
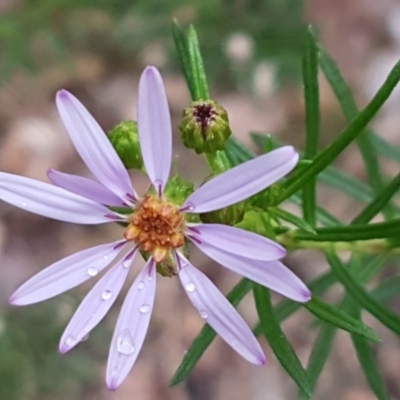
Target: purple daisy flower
{"type": "Point", "coordinates": [156, 227]}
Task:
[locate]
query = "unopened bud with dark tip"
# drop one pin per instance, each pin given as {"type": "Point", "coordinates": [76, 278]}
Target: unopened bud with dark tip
{"type": "Point", "coordinates": [125, 140]}
{"type": "Point", "coordinates": [205, 126]}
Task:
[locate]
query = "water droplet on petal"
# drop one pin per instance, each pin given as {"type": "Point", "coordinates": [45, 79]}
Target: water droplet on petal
{"type": "Point", "coordinates": [140, 285]}
{"type": "Point", "coordinates": [92, 271]}
{"type": "Point", "coordinates": [105, 257]}
{"type": "Point", "coordinates": [70, 341]}
{"type": "Point", "coordinates": [126, 264]}
{"type": "Point", "coordinates": [24, 204]}
{"type": "Point", "coordinates": [144, 308]}
{"type": "Point", "coordinates": [204, 314]}
{"type": "Point", "coordinates": [125, 343]}
{"type": "Point", "coordinates": [106, 295]}
{"type": "Point", "coordinates": [86, 337]}
{"type": "Point", "coordinates": [149, 277]}
{"type": "Point", "coordinates": [190, 287]}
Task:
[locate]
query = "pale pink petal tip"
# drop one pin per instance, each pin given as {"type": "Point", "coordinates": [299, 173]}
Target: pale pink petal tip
{"type": "Point", "coordinates": [63, 94]}
{"type": "Point", "coordinates": [306, 295]}
{"type": "Point", "coordinates": [262, 360]}
{"type": "Point", "coordinates": [112, 386]}
{"type": "Point", "coordinates": [64, 348]}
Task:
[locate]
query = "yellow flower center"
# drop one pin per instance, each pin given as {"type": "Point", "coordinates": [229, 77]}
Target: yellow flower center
{"type": "Point", "coordinates": [157, 227]}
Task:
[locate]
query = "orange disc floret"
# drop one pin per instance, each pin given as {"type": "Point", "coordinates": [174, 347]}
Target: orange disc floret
{"type": "Point", "coordinates": [157, 227]}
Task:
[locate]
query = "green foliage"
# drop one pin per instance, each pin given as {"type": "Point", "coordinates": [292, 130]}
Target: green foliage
{"type": "Point", "coordinates": [321, 230]}
{"type": "Point", "coordinates": [31, 365]}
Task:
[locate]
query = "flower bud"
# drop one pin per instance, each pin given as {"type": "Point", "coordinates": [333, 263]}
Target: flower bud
{"type": "Point", "coordinates": [227, 216]}
{"type": "Point", "coordinates": [178, 190]}
{"type": "Point", "coordinates": [258, 222]}
{"type": "Point", "coordinates": [125, 140]}
{"type": "Point", "coordinates": [205, 126]}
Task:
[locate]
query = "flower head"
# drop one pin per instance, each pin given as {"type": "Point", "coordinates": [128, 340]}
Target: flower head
{"type": "Point", "coordinates": [156, 226]}
{"type": "Point", "coordinates": [205, 126]}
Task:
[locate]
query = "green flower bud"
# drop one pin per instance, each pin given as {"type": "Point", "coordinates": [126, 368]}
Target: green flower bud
{"type": "Point", "coordinates": [227, 216]}
{"type": "Point", "coordinates": [267, 197]}
{"type": "Point", "coordinates": [205, 126]}
{"type": "Point", "coordinates": [125, 140]}
{"type": "Point", "coordinates": [257, 222]}
{"type": "Point", "coordinates": [178, 190]}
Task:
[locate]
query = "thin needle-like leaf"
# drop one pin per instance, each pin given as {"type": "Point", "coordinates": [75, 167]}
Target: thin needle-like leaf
{"type": "Point", "coordinates": [311, 99]}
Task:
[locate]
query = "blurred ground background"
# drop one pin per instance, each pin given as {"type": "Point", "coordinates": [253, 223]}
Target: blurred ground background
{"type": "Point", "coordinates": [252, 51]}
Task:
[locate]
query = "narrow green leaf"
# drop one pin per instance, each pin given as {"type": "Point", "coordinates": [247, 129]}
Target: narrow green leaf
{"type": "Point", "coordinates": [387, 149]}
{"type": "Point", "coordinates": [291, 218]}
{"type": "Point", "coordinates": [367, 361]}
{"type": "Point", "coordinates": [323, 216]}
{"type": "Point", "coordinates": [311, 100]}
{"type": "Point", "coordinates": [285, 308]}
{"type": "Point", "coordinates": [277, 340]}
{"type": "Point", "coordinates": [206, 336]}
{"type": "Point", "coordinates": [237, 149]}
{"type": "Point", "coordinates": [319, 355]}
{"type": "Point", "coordinates": [387, 290]}
{"type": "Point", "coordinates": [350, 233]}
{"type": "Point", "coordinates": [333, 315]}
{"type": "Point", "coordinates": [332, 177]}
{"type": "Point", "coordinates": [350, 110]}
{"type": "Point", "coordinates": [365, 300]}
{"type": "Point", "coordinates": [196, 60]}
{"type": "Point", "coordinates": [181, 46]}
{"type": "Point", "coordinates": [355, 128]}
{"type": "Point", "coordinates": [378, 203]}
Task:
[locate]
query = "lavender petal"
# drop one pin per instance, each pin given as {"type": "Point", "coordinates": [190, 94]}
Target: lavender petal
{"type": "Point", "coordinates": [272, 274]}
{"type": "Point", "coordinates": [154, 125]}
{"type": "Point", "coordinates": [84, 187]}
{"type": "Point", "coordinates": [65, 274]}
{"type": "Point", "coordinates": [93, 145]}
{"type": "Point", "coordinates": [237, 241]}
{"type": "Point", "coordinates": [96, 304]}
{"type": "Point", "coordinates": [216, 310]}
{"type": "Point", "coordinates": [131, 327]}
{"type": "Point", "coordinates": [50, 201]}
{"type": "Point", "coordinates": [243, 181]}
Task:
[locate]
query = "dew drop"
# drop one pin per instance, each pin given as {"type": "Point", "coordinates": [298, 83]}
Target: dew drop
{"type": "Point", "coordinates": [144, 308]}
{"type": "Point", "coordinates": [149, 277]}
{"type": "Point", "coordinates": [204, 314]}
{"type": "Point", "coordinates": [70, 341]}
{"type": "Point", "coordinates": [106, 295]}
{"type": "Point", "coordinates": [190, 287]}
{"type": "Point", "coordinates": [126, 264]}
{"type": "Point", "coordinates": [125, 343]}
{"type": "Point", "coordinates": [92, 271]}
{"type": "Point", "coordinates": [24, 204]}
{"type": "Point", "coordinates": [86, 337]}
{"type": "Point", "coordinates": [140, 285]}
